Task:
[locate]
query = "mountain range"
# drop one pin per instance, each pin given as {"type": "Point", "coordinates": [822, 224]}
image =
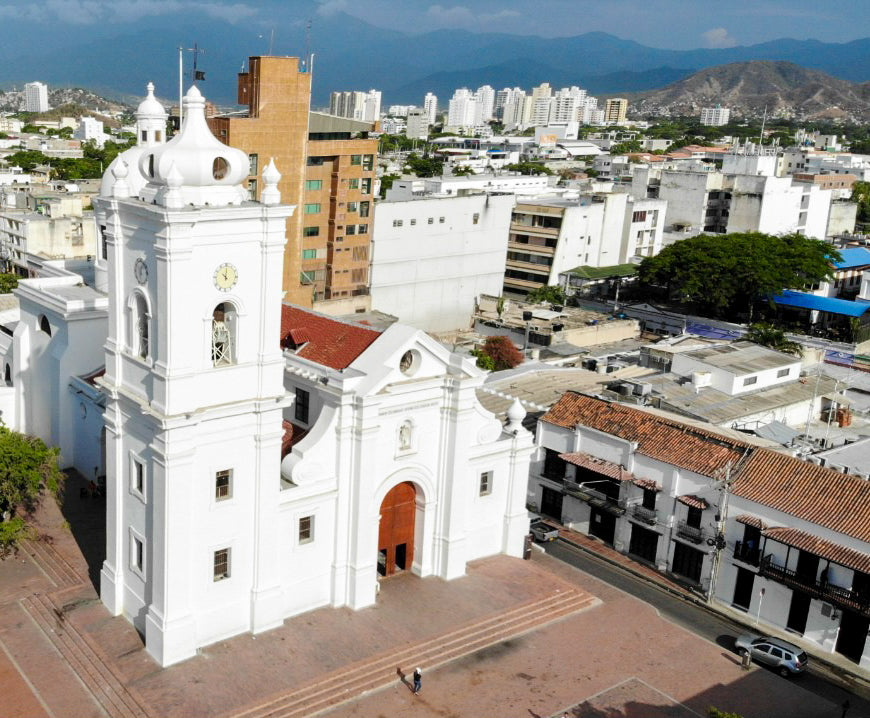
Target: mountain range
{"type": "Point", "coordinates": [120, 58]}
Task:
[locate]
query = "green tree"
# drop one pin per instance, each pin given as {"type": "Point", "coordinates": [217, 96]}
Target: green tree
{"type": "Point", "coordinates": [387, 182]}
{"type": "Point", "coordinates": [502, 352]}
{"type": "Point", "coordinates": [8, 282]}
{"type": "Point", "coordinates": [623, 148]}
{"type": "Point", "coordinates": [726, 274]}
{"type": "Point", "coordinates": [27, 159]}
{"type": "Point", "coordinates": [861, 197]}
{"type": "Point", "coordinates": [773, 337]}
{"type": "Point", "coordinates": [27, 468]}
{"type": "Point", "coordinates": [529, 168]}
{"type": "Point", "coordinates": [552, 294]}
{"type": "Point", "coordinates": [484, 361]}
{"type": "Point", "coordinates": [424, 166]}
{"type": "Point", "coordinates": [462, 171]}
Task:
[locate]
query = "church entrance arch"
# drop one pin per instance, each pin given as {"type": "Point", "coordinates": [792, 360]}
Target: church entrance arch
{"type": "Point", "coordinates": [396, 531]}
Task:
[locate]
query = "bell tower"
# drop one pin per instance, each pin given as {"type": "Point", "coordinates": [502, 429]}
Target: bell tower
{"type": "Point", "coordinates": [194, 384]}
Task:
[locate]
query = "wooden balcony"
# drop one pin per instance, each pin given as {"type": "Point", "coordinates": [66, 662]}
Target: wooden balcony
{"type": "Point", "coordinates": [839, 596]}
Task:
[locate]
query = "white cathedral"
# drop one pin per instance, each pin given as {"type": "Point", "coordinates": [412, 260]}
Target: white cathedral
{"type": "Point", "coordinates": [261, 460]}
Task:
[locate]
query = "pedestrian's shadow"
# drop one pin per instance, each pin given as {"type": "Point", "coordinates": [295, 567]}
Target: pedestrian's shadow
{"type": "Point", "coordinates": [402, 674]}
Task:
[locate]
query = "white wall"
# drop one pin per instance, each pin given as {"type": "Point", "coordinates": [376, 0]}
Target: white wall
{"type": "Point", "coordinates": [428, 272]}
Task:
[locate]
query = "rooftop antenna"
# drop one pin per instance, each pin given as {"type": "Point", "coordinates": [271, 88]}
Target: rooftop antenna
{"type": "Point", "coordinates": [763, 121]}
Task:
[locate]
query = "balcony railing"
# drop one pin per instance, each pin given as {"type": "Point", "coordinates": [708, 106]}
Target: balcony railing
{"type": "Point", "coordinates": [641, 513]}
{"type": "Point", "coordinates": [747, 553]}
{"type": "Point", "coordinates": [690, 533]}
{"type": "Point", "coordinates": [844, 597]}
{"type": "Point", "coordinates": [595, 497]}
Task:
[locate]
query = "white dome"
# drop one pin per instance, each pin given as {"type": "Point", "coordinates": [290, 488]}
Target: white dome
{"type": "Point", "coordinates": [150, 108]}
{"type": "Point", "coordinates": [210, 172]}
{"type": "Point", "coordinates": [135, 179]}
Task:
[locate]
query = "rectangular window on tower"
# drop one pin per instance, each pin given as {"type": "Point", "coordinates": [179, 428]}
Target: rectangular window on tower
{"type": "Point", "coordinates": [223, 485]}
{"type": "Point", "coordinates": [137, 555]}
{"type": "Point", "coordinates": [368, 162]}
{"type": "Point", "coordinates": [300, 410]}
{"type": "Point", "coordinates": [312, 208]}
{"type": "Point", "coordinates": [306, 529]}
{"type": "Point", "coordinates": [356, 159]}
{"type": "Point", "coordinates": [221, 564]}
{"type": "Point", "coordinates": [137, 477]}
{"type": "Point", "coordinates": [309, 254]}
{"type": "Point", "coordinates": [253, 165]}
{"type": "Point", "coordinates": [486, 483]}
{"type": "Point", "coordinates": [366, 185]}
{"type": "Point", "coordinates": [313, 184]}
{"type": "Point", "coordinates": [311, 231]}
{"type": "Point", "coordinates": [252, 190]}
{"type": "Point", "coordinates": [364, 209]}
{"type": "Point", "coordinates": [353, 184]}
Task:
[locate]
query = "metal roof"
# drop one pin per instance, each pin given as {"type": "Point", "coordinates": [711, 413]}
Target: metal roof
{"type": "Point", "coordinates": [853, 257]}
{"type": "Point", "coordinates": [832, 305]}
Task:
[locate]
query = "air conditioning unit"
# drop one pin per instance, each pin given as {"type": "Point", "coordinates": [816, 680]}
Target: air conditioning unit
{"type": "Point", "coordinates": [643, 388]}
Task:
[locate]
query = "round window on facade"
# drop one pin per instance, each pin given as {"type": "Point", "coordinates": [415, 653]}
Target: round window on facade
{"type": "Point", "coordinates": [410, 362]}
{"type": "Point", "coordinates": [219, 168]}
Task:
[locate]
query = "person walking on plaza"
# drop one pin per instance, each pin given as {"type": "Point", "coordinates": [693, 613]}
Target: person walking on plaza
{"type": "Point", "coordinates": [418, 680]}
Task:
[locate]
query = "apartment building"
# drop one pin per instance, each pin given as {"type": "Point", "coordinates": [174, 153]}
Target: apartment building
{"type": "Point", "coordinates": [715, 202]}
{"type": "Point", "coordinates": [277, 93]}
{"type": "Point", "coordinates": [715, 116]}
{"type": "Point", "coordinates": [615, 110]}
{"type": "Point", "coordinates": [327, 168]}
{"type": "Point", "coordinates": [551, 236]}
{"type": "Point", "coordinates": [337, 213]}
{"type": "Point", "coordinates": [36, 97]}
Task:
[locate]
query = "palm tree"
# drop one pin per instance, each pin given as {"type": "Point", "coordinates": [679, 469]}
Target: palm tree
{"type": "Point", "coordinates": [770, 336]}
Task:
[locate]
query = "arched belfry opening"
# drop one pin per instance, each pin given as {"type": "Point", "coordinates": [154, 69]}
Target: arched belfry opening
{"type": "Point", "coordinates": [223, 330]}
{"type": "Point", "coordinates": [396, 531]}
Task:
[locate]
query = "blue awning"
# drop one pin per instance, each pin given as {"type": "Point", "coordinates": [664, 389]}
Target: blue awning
{"type": "Point", "coordinates": [832, 305]}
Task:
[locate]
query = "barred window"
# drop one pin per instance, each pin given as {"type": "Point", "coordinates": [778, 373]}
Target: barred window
{"type": "Point", "coordinates": [223, 485]}
{"type": "Point", "coordinates": [221, 564]}
{"type": "Point", "coordinates": [306, 529]}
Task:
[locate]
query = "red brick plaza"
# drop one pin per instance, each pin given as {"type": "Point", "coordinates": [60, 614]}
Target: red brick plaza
{"type": "Point", "coordinates": [512, 638]}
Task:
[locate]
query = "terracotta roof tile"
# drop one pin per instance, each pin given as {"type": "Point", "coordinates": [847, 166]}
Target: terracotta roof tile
{"type": "Point", "coordinates": [667, 440]}
{"type": "Point", "coordinates": [593, 463]}
{"type": "Point", "coordinates": [324, 340]}
{"type": "Point", "coordinates": [751, 520]}
{"type": "Point", "coordinates": [804, 541]}
{"type": "Point", "coordinates": [292, 434]}
{"type": "Point", "coordinates": [694, 502]}
{"type": "Point", "coordinates": [647, 484]}
{"type": "Point", "coordinates": [839, 502]}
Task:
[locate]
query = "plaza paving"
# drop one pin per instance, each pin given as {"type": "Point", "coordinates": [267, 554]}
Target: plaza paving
{"type": "Point", "coordinates": [512, 638]}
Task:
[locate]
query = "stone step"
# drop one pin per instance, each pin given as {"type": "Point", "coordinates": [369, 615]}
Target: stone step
{"type": "Point", "coordinates": [433, 659]}
{"type": "Point", "coordinates": [52, 563]}
{"type": "Point", "coordinates": [107, 690]}
{"type": "Point", "coordinates": [380, 671]}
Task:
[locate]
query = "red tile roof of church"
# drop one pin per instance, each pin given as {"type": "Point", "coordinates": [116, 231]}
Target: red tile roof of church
{"type": "Point", "coordinates": [326, 341]}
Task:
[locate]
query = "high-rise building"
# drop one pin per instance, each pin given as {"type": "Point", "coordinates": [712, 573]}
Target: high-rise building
{"type": "Point", "coordinates": [278, 94]}
{"type": "Point", "coordinates": [327, 171]}
{"type": "Point", "coordinates": [615, 110]}
{"type": "Point", "coordinates": [355, 105]}
{"type": "Point", "coordinates": [485, 97]}
{"type": "Point", "coordinates": [541, 100]}
{"type": "Point", "coordinates": [715, 116]}
{"type": "Point", "coordinates": [35, 97]}
{"type": "Point", "coordinates": [462, 110]}
{"type": "Point", "coordinates": [418, 125]}
{"type": "Point", "coordinates": [430, 107]}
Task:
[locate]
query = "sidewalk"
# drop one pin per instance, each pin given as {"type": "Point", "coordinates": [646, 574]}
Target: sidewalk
{"type": "Point", "coordinates": [840, 668]}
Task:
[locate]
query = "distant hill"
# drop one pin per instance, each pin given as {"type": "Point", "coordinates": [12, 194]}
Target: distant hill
{"type": "Point", "coordinates": [66, 102]}
{"type": "Point", "coordinates": [785, 89]}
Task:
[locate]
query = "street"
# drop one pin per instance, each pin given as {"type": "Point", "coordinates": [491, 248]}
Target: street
{"type": "Point", "coordinates": [706, 624]}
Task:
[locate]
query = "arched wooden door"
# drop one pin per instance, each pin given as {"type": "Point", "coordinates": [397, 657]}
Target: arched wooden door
{"type": "Point", "coordinates": [396, 533]}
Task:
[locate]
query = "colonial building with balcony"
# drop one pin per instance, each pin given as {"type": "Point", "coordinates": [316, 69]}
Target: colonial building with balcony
{"type": "Point", "coordinates": [792, 537]}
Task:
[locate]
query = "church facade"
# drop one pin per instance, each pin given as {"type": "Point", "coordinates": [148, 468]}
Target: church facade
{"type": "Point", "coordinates": [261, 460]}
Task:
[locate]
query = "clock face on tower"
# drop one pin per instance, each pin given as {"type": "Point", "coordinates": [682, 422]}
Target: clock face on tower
{"type": "Point", "coordinates": [140, 270]}
{"type": "Point", "coordinates": [225, 277]}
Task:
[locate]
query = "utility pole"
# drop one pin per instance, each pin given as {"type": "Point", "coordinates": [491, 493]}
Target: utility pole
{"type": "Point", "coordinates": [719, 540]}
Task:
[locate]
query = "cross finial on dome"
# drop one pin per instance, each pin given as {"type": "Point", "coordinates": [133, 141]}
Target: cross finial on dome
{"type": "Point", "coordinates": [271, 177]}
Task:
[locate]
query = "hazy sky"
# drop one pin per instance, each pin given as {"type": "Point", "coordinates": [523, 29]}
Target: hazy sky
{"type": "Point", "coordinates": [678, 24]}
